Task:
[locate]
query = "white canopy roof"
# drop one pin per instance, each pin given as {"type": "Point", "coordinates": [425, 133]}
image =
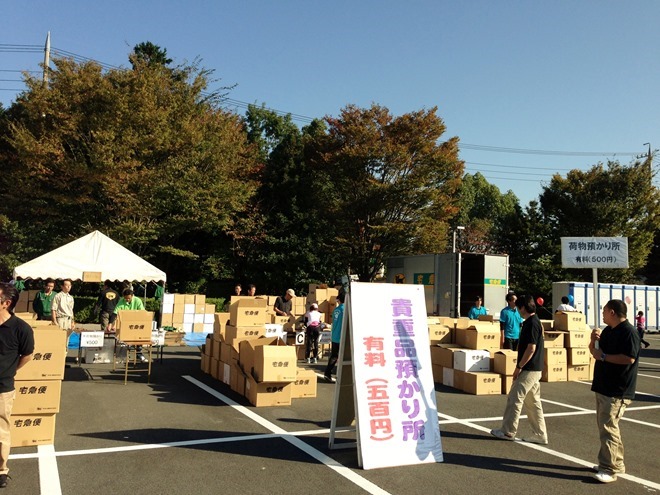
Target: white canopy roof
{"type": "Point", "coordinates": [94, 252]}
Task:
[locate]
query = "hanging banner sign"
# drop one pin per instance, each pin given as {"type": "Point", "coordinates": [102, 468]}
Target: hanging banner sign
{"type": "Point", "coordinates": [397, 415]}
{"type": "Point", "coordinates": [594, 252]}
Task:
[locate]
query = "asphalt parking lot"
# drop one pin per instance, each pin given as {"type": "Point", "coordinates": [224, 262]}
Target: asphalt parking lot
{"type": "Point", "coordinates": [188, 433]}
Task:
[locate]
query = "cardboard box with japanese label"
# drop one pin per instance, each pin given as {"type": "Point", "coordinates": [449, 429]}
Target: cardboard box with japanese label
{"type": "Point", "coordinates": [482, 383]}
{"type": "Point", "coordinates": [553, 339]}
{"type": "Point", "coordinates": [568, 320]}
{"type": "Point", "coordinates": [248, 312]}
{"type": "Point", "coordinates": [554, 373]}
{"type": "Point", "coordinates": [134, 325]}
{"type": "Point", "coordinates": [235, 335]}
{"type": "Point", "coordinates": [578, 356]}
{"type": "Point", "coordinates": [505, 362]}
{"type": "Point", "coordinates": [481, 335]}
{"type": "Point", "coordinates": [472, 360]}
{"type": "Point", "coordinates": [578, 373]}
{"type": "Point", "coordinates": [440, 334]}
{"type": "Point", "coordinates": [577, 338]}
{"type": "Point", "coordinates": [246, 351]}
{"type": "Point", "coordinates": [274, 363]}
{"type": "Point", "coordinates": [48, 358]}
{"type": "Point", "coordinates": [554, 355]}
{"type": "Point", "coordinates": [305, 384]}
{"type": "Point", "coordinates": [37, 397]}
{"type": "Point", "coordinates": [32, 429]}
{"type": "Point", "coordinates": [268, 393]}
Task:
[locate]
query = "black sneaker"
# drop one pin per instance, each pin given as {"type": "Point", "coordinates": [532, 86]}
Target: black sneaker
{"type": "Point", "coordinates": [3, 480]}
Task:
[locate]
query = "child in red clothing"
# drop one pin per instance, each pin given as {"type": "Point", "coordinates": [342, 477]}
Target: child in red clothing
{"type": "Point", "coordinates": [640, 321]}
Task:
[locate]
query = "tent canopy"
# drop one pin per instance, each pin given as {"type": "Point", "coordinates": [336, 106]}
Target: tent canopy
{"type": "Point", "coordinates": [94, 252]}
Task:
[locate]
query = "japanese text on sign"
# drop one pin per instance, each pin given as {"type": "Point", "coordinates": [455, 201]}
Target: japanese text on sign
{"type": "Point", "coordinates": [594, 252]}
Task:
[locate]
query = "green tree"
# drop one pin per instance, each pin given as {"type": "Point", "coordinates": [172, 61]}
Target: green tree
{"type": "Point", "coordinates": [150, 54]}
{"type": "Point", "coordinates": [392, 182]}
{"type": "Point", "coordinates": [612, 200]}
{"type": "Point", "coordinates": [151, 160]}
{"type": "Point", "coordinates": [482, 208]}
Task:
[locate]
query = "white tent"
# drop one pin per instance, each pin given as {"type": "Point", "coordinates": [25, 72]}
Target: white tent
{"type": "Point", "coordinates": [95, 253]}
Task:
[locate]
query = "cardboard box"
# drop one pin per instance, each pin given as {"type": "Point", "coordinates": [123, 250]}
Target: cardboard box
{"type": "Point", "coordinates": [553, 339]}
{"type": "Point", "coordinates": [578, 356]}
{"type": "Point", "coordinates": [167, 320]}
{"type": "Point", "coordinates": [576, 373]}
{"type": "Point", "coordinates": [268, 393]}
{"type": "Point", "coordinates": [248, 312]}
{"type": "Point", "coordinates": [220, 321]}
{"type": "Point", "coordinates": [37, 397]}
{"type": "Point", "coordinates": [200, 299]}
{"type": "Point", "coordinates": [482, 383]}
{"type": "Point", "coordinates": [235, 335]}
{"type": "Point", "coordinates": [228, 353]}
{"type": "Point", "coordinates": [554, 373]}
{"type": "Point", "coordinates": [238, 378]}
{"type": "Point", "coordinates": [214, 368]}
{"type": "Point", "coordinates": [569, 320]}
{"type": "Point", "coordinates": [440, 334]}
{"type": "Point", "coordinates": [246, 351]}
{"type": "Point", "coordinates": [134, 326]}
{"type": "Point", "coordinates": [189, 309]}
{"type": "Point", "coordinates": [209, 309]}
{"type": "Point", "coordinates": [443, 354]}
{"type": "Point", "coordinates": [437, 373]}
{"type": "Point", "coordinates": [49, 355]}
{"type": "Point", "coordinates": [279, 320]}
{"type": "Point", "coordinates": [206, 364]}
{"type": "Point", "coordinates": [463, 323]}
{"type": "Point", "coordinates": [459, 377]}
{"type": "Point", "coordinates": [189, 298]}
{"type": "Point", "coordinates": [481, 335]}
{"type": "Point", "coordinates": [447, 376]}
{"type": "Point", "coordinates": [198, 327]}
{"type": "Point", "coordinates": [547, 325]}
{"type": "Point", "coordinates": [554, 355]}
{"type": "Point", "coordinates": [32, 429]}
{"type": "Point", "coordinates": [179, 299]}
{"type": "Point", "coordinates": [504, 362]}
{"type": "Point", "coordinates": [274, 363]}
{"type": "Point", "coordinates": [577, 338]}
{"type": "Point", "coordinates": [226, 373]}
{"type": "Point", "coordinates": [472, 360]}
{"type": "Point", "coordinates": [168, 298]}
{"type": "Point", "coordinates": [507, 381]}
{"type": "Point", "coordinates": [215, 347]}
{"type": "Point", "coordinates": [305, 384]}
{"type": "Point", "coordinates": [485, 318]}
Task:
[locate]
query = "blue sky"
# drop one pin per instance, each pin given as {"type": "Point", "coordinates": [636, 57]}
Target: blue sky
{"type": "Point", "coordinates": [571, 76]}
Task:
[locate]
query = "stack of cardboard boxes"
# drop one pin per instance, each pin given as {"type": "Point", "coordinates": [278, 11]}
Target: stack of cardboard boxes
{"type": "Point", "coordinates": [466, 353]}
{"type": "Point", "coordinates": [187, 313]}
{"type": "Point", "coordinates": [38, 387]}
{"type": "Point", "coordinates": [25, 299]}
{"type": "Point", "coordinates": [250, 355]}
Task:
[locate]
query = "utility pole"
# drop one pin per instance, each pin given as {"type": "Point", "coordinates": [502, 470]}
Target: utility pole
{"type": "Point", "coordinates": [47, 58]}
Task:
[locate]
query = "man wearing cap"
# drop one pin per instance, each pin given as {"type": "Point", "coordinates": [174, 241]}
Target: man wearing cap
{"type": "Point", "coordinates": [284, 304]}
{"type": "Point", "coordinates": [312, 330]}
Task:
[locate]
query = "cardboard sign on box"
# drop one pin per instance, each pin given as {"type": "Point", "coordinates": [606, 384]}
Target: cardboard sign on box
{"type": "Point", "coordinates": [248, 312]}
{"type": "Point", "coordinates": [482, 383]}
{"type": "Point", "coordinates": [505, 362]}
{"type": "Point", "coordinates": [472, 360]}
{"type": "Point", "coordinates": [578, 356]}
{"type": "Point", "coordinates": [553, 339]}
{"type": "Point", "coordinates": [37, 397]}
{"type": "Point", "coordinates": [48, 358]}
{"type": "Point", "coordinates": [134, 325]}
{"type": "Point", "coordinates": [305, 384]}
{"type": "Point", "coordinates": [554, 356]}
{"type": "Point", "coordinates": [443, 354]}
{"type": "Point", "coordinates": [267, 393]}
{"type": "Point", "coordinates": [274, 363]}
{"type": "Point", "coordinates": [32, 429]}
{"type": "Point", "coordinates": [568, 320]}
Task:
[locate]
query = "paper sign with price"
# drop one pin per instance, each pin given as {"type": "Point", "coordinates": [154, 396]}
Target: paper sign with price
{"type": "Point", "coordinates": [91, 339]}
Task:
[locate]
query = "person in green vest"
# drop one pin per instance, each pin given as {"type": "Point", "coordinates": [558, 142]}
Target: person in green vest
{"type": "Point", "coordinates": [43, 301]}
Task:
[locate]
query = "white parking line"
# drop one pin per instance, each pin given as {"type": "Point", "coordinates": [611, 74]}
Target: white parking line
{"type": "Point", "coordinates": [546, 450]}
{"type": "Point", "coordinates": [49, 474]}
{"type": "Point", "coordinates": [648, 376]}
{"type": "Point", "coordinates": [340, 469]}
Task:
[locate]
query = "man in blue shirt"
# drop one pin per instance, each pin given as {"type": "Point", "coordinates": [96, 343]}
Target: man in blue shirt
{"type": "Point", "coordinates": [337, 318]}
{"type": "Point", "coordinates": [510, 323]}
{"type": "Point", "coordinates": [477, 310]}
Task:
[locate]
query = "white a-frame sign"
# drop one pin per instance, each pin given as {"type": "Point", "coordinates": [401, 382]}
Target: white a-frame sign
{"type": "Point", "coordinates": [385, 359]}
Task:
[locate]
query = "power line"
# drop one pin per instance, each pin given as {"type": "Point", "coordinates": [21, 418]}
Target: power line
{"type": "Point", "coordinates": [498, 149]}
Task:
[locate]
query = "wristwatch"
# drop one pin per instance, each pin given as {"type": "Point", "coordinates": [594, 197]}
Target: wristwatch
{"type": "Point", "coordinates": [603, 356]}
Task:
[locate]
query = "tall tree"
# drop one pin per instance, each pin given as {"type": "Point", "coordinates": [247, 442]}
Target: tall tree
{"type": "Point", "coordinates": [149, 159]}
{"type": "Point", "coordinates": [150, 54]}
{"type": "Point", "coordinates": [612, 200]}
{"type": "Point", "coordinates": [482, 207]}
{"type": "Point", "coordinates": [392, 180]}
